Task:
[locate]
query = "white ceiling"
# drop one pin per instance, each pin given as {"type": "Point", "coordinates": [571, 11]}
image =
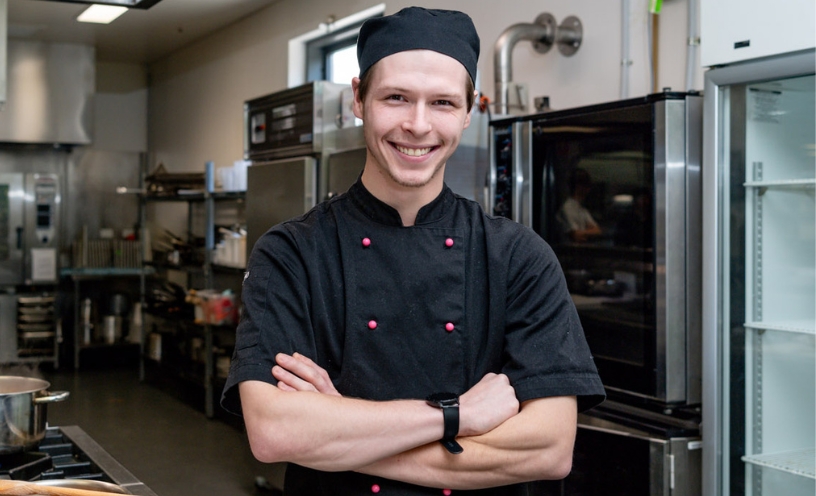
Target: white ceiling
{"type": "Point", "coordinates": [138, 36]}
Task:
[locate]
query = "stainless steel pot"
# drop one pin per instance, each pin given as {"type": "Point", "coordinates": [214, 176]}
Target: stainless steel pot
{"type": "Point", "coordinates": [23, 402]}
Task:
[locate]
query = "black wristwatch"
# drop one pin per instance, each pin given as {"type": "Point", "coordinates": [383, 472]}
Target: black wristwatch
{"type": "Point", "coordinates": [449, 403]}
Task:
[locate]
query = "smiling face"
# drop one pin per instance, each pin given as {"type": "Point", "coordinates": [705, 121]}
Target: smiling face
{"type": "Point", "coordinates": [414, 113]}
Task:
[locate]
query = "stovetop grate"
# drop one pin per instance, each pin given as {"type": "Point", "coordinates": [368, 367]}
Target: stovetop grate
{"type": "Point", "coordinates": [56, 457]}
{"type": "Point", "coordinates": [68, 452]}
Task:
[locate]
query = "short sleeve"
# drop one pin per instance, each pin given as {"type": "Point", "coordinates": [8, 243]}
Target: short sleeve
{"type": "Point", "coordinates": [547, 353]}
{"type": "Point", "coordinates": [275, 313]}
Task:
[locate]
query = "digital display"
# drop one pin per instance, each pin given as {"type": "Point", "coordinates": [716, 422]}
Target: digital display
{"type": "Point", "coordinates": [43, 216]}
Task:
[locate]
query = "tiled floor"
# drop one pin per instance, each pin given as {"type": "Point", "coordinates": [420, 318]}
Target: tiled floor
{"type": "Point", "coordinates": [170, 446]}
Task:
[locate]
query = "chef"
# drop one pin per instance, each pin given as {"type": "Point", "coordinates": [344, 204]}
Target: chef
{"type": "Point", "coordinates": [397, 340]}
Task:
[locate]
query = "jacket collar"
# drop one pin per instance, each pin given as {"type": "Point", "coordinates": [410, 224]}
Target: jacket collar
{"type": "Point", "coordinates": [382, 213]}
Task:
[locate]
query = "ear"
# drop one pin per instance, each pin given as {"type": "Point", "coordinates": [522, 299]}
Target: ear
{"type": "Point", "coordinates": [357, 107]}
{"type": "Point", "coordinates": [470, 112]}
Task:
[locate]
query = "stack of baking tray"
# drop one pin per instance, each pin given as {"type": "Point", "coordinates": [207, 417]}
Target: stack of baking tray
{"type": "Point", "coordinates": [36, 326]}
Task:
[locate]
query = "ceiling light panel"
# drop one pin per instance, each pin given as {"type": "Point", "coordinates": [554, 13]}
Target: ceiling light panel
{"type": "Point", "coordinates": [131, 4]}
{"type": "Point", "coordinates": [101, 14]}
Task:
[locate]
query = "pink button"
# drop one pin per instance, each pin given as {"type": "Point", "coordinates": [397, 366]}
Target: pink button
{"type": "Point", "coordinates": [366, 242]}
{"type": "Point", "coordinates": [449, 242]}
{"type": "Point", "coordinates": [446, 492]}
{"type": "Point", "coordinates": [449, 327]}
{"type": "Point", "coordinates": [372, 324]}
{"type": "Point", "coordinates": [375, 488]}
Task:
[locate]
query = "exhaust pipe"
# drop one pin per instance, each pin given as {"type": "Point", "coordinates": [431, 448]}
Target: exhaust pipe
{"type": "Point", "coordinates": [543, 33]}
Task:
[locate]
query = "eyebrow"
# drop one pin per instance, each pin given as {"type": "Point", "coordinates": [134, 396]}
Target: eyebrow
{"type": "Point", "coordinates": [436, 96]}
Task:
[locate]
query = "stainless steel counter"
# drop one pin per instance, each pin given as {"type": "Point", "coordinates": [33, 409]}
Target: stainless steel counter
{"type": "Point", "coordinates": [112, 468]}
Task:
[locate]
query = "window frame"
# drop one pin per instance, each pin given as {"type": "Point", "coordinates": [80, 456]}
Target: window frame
{"type": "Point", "coordinates": [301, 66]}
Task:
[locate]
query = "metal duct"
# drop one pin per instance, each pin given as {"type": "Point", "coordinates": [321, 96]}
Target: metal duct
{"type": "Point", "coordinates": [543, 33]}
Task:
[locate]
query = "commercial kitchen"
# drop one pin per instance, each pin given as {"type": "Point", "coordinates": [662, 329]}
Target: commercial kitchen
{"type": "Point", "coordinates": [141, 159]}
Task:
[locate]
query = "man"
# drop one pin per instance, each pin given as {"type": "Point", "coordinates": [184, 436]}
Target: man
{"type": "Point", "coordinates": [399, 315]}
{"type": "Point", "coordinates": [575, 219]}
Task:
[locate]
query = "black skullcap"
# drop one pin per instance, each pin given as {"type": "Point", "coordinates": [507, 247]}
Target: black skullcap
{"type": "Point", "coordinates": [448, 32]}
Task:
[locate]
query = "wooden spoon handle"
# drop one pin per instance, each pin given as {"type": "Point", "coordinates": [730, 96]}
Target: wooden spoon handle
{"type": "Point", "coordinates": [22, 488]}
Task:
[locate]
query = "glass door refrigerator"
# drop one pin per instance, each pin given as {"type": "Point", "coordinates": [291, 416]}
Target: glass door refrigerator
{"type": "Point", "coordinates": [759, 270]}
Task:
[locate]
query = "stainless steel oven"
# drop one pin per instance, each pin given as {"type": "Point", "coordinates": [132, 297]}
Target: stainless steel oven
{"type": "Point", "coordinates": [305, 146]}
{"type": "Point", "coordinates": [615, 190]}
{"type": "Point", "coordinates": [643, 457]}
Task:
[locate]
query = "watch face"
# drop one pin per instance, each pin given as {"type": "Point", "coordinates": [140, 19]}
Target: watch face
{"type": "Point", "coordinates": [444, 399]}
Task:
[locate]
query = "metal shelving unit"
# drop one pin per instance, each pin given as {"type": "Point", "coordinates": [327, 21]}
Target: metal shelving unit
{"type": "Point", "coordinates": [208, 197]}
{"type": "Point", "coordinates": [80, 275]}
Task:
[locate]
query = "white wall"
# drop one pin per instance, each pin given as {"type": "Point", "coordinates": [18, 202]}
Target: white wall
{"type": "Point", "coordinates": [197, 94]}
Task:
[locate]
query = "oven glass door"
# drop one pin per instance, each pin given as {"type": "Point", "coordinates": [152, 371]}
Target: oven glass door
{"type": "Point", "coordinates": [593, 193]}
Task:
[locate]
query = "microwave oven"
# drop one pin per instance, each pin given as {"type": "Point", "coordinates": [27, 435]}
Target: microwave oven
{"type": "Point", "coordinates": [615, 189]}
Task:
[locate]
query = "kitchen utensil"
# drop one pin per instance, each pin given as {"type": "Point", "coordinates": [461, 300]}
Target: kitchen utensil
{"type": "Point", "coordinates": [111, 328]}
{"type": "Point", "coordinates": [23, 488]}
{"type": "Point", "coordinates": [89, 485]}
{"type": "Point", "coordinates": [23, 403]}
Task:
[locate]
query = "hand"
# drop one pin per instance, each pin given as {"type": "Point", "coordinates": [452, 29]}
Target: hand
{"type": "Point", "coordinates": [487, 405]}
{"type": "Point", "coordinates": [299, 373]}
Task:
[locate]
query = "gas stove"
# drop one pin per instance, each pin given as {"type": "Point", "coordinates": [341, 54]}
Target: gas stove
{"type": "Point", "coordinates": [69, 453]}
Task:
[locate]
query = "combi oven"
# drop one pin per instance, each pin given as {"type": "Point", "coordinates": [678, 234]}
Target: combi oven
{"type": "Point", "coordinates": [615, 190]}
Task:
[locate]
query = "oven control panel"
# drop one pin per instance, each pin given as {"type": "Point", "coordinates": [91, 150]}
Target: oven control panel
{"type": "Point", "coordinates": [502, 171]}
{"type": "Point", "coordinates": [45, 205]}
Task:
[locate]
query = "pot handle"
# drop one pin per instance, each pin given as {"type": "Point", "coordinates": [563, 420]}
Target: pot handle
{"type": "Point", "coordinates": [52, 397]}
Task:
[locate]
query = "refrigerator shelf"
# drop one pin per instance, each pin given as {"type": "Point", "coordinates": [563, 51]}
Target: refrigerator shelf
{"type": "Point", "coordinates": [789, 183]}
{"type": "Point", "coordinates": [795, 326]}
{"type": "Point", "coordinates": [801, 462]}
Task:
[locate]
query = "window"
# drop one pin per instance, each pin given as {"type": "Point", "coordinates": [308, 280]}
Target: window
{"type": "Point", "coordinates": [333, 57]}
{"type": "Point", "coordinates": [329, 52]}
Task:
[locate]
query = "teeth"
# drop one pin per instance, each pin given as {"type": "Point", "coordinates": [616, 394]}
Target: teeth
{"type": "Point", "coordinates": [413, 152]}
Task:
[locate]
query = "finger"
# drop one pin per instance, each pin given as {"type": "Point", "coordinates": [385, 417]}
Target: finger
{"type": "Point", "coordinates": [291, 380]}
{"type": "Point", "coordinates": [285, 387]}
{"type": "Point", "coordinates": [309, 371]}
{"type": "Point", "coordinates": [300, 366]}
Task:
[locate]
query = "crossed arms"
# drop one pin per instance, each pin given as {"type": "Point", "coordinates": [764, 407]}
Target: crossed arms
{"type": "Point", "coordinates": [305, 420]}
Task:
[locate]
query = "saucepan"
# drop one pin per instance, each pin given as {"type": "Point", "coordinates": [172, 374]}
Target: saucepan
{"type": "Point", "coordinates": [23, 410]}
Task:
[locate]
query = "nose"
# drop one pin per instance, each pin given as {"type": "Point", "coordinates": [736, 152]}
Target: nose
{"type": "Point", "coordinates": [417, 122]}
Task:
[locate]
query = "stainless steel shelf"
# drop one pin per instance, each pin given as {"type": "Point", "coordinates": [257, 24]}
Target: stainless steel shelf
{"type": "Point", "coordinates": [801, 462]}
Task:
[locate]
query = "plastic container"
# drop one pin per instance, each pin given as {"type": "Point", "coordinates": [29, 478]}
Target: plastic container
{"type": "Point", "coordinates": [216, 308]}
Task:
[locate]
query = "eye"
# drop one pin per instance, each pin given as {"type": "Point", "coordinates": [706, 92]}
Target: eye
{"type": "Point", "coordinates": [396, 98]}
{"type": "Point", "coordinates": [444, 102]}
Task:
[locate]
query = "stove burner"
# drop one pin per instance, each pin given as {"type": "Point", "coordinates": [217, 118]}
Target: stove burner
{"type": "Point", "coordinates": [56, 458]}
{"type": "Point", "coordinates": [68, 452]}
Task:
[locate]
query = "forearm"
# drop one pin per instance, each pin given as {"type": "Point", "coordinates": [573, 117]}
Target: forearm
{"type": "Point", "coordinates": [536, 444]}
{"type": "Point", "coordinates": [332, 433]}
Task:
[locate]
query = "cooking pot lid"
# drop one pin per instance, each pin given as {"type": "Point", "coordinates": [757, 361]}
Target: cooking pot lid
{"type": "Point", "coordinates": [10, 384]}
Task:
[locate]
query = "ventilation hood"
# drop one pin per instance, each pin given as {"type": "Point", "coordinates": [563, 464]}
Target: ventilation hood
{"type": "Point", "coordinates": [50, 88]}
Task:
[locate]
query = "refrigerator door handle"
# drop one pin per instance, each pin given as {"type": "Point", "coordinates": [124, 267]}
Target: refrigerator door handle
{"type": "Point", "coordinates": [19, 237]}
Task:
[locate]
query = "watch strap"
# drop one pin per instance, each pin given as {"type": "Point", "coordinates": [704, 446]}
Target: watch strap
{"type": "Point", "coordinates": [451, 419]}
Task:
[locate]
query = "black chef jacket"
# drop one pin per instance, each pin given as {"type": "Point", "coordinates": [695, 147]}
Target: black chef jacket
{"type": "Point", "coordinates": [394, 312]}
